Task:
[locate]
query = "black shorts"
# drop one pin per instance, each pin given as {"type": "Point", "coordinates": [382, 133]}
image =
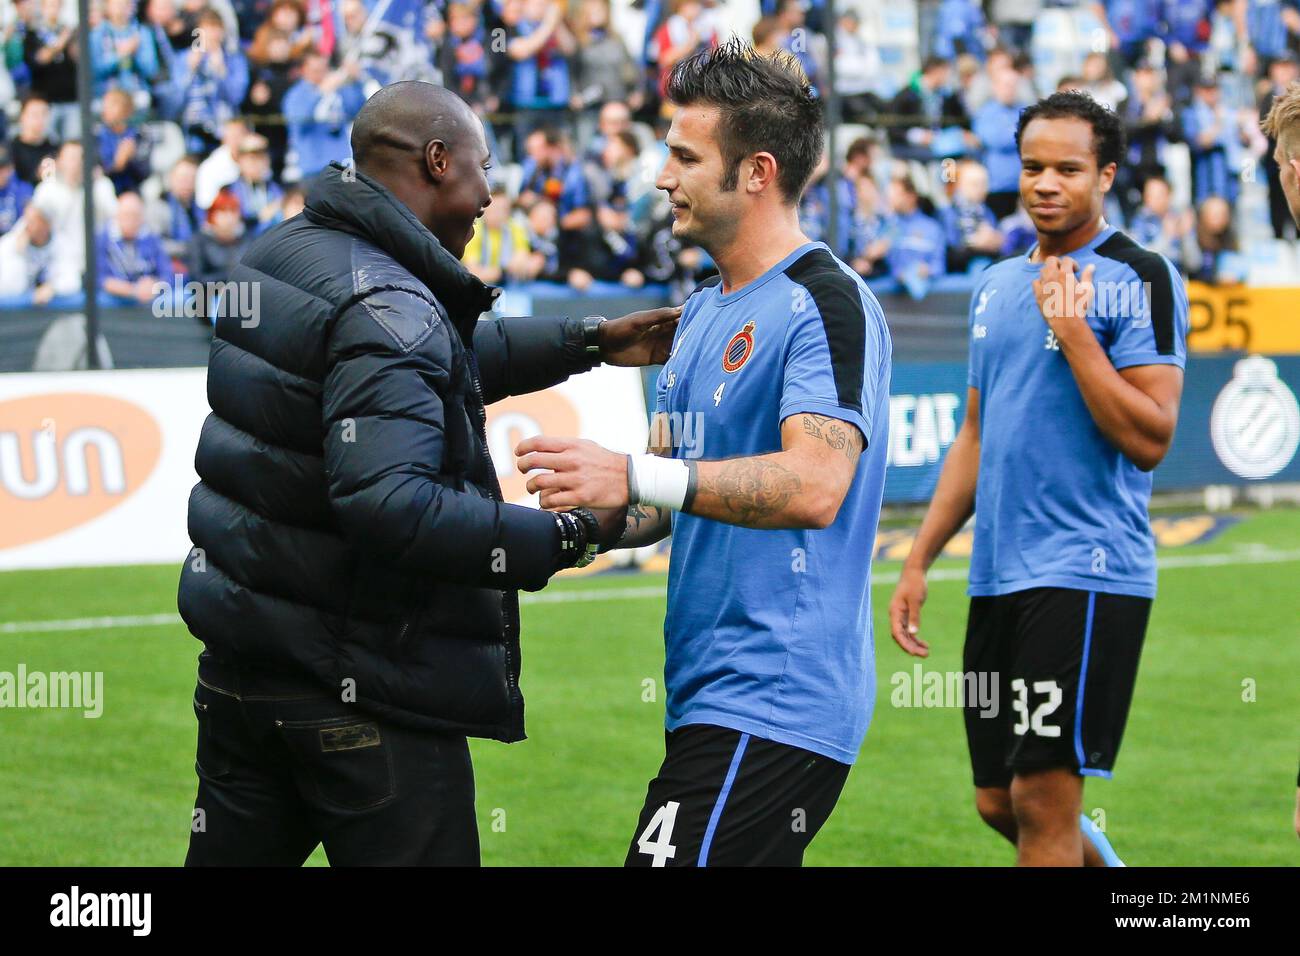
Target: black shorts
{"type": "Point", "coordinates": [1066, 662]}
{"type": "Point", "coordinates": [724, 798]}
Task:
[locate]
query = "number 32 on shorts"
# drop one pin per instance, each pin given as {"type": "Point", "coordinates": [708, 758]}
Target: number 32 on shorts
{"type": "Point", "coordinates": [1035, 721]}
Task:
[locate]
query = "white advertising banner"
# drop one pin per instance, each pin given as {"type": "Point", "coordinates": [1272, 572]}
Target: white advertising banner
{"type": "Point", "coordinates": [605, 405]}
{"type": "Point", "coordinates": [96, 467]}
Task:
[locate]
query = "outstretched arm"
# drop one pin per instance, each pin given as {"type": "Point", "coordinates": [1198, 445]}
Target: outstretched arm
{"type": "Point", "coordinates": [637, 525]}
{"type": "Point", "coordinates": [383, 424]}
{"type": "Point", "coordinates": [642, 524]}
{"type": "Point", "coordinates": [520, 355]}
{"type": "Point", "coordinates": [800, 486]}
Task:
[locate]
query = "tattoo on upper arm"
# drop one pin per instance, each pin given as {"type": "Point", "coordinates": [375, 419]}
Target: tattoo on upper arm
{"type": "Point", "coordinates": [752, 488]}
{"type": "Point", "coordinates": [839, 435]}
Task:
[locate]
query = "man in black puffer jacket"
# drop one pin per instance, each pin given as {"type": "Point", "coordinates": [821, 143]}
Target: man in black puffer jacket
{"type": "Point", "coordinates": [355, 570]}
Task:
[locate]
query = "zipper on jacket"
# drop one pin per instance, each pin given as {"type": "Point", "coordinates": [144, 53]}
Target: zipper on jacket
{"type": "Point", "coordinates": [509, 597]}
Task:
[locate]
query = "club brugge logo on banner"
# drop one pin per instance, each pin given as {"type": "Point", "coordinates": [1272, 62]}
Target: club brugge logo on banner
{"type": "Point", "coordinates": [739, 349]}
{"type": "Point", "coordinates": [1255, 422]}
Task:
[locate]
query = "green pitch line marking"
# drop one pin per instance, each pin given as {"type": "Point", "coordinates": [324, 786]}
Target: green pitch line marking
{"type": "Point", "coordinates": [594, 594]}
{"type": "Point", "coordinates": [1246, 555]}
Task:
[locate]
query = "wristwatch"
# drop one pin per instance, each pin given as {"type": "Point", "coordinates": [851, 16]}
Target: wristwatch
{"type": "Point", "coordinates": [591, 335]}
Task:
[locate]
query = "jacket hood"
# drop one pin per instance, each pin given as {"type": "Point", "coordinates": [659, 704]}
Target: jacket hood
{"type": "Point", "coordinates": [363, 207]}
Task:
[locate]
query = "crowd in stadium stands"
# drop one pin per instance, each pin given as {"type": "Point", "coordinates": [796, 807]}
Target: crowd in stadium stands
{"type": "Point", "coordinates": [213, 114]}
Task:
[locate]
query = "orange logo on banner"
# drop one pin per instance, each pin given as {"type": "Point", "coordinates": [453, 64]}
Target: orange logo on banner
{"type": "Point", "coordinates": [512, 420]}
{"type": "Point", "coordinates": [69, 457]}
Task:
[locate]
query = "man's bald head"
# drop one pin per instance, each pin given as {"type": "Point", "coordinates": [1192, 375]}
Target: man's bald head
{"type": "Point", "coordinates": [404, 118]}
{"type": "Point", "coordinates": [426, 146]}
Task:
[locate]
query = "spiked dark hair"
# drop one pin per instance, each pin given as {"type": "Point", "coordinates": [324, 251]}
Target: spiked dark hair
{"type": "Point", "coordinates": [1107, 128]}
{"type": "Point", "coordinates": [766, 105]}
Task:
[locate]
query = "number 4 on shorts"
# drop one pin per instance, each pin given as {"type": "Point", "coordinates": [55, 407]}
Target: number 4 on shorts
{"type": "Point", "coordinates": [661, 850]}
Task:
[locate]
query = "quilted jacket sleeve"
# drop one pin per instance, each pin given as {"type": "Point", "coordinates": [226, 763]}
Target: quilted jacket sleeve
{"type": "Point", "coordinates": [389, 360]}
{"type": "Point", "coordinates": [520, 355]}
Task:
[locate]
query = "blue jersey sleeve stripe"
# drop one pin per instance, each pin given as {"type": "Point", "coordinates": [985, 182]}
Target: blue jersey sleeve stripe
{"type": "Point", "coordinates": [839, 303]}
{"type": "Point", "coordinates": [1152, 270]}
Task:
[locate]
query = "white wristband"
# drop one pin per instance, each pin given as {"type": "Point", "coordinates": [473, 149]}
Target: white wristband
{"type": "Point", "coordinates": [662, 482]}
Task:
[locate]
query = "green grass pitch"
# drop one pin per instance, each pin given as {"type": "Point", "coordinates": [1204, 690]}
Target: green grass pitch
{"type": "Point", "coordinates": [1205, 777]}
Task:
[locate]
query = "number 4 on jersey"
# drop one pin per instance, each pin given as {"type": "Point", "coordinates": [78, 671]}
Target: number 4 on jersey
{"type": "Point", "coordinates": [717, 396]}
{"type": "Point", "coordinates": [660, 849]}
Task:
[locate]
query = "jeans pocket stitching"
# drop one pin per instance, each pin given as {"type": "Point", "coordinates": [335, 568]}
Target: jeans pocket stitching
{"type": "Point", "coordinates": [388, 797]}
{"type": "Point", "coordinates": [212, 769]}
{"type": "Point", "coordinates": [325, 722]}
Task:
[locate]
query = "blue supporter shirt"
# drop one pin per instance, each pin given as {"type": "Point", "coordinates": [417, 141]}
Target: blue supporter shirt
{"type": "Point", "coordinates": [916, 239]}
{"type": "Point", "coordinates": [815, 213]}
{"type": "Point", "coordinates": [1133, 20]}
{"type": "Point", "coordinates": [1186, 22]}
{"type": "Point", "coordinates": [962, 220]}
{"type": "Point", "coordinates": [995, 125]}
{"type": "Point", "coordinates": [565, 185]}
{"type": "Point", "coordinates": [318, 131]}
{"type": "Point", "coordinates": [1056, 504]}
{"type": "Point", "coordinates": [768, 632]}
{"type": "Point", "coordinates": [542, 80]}
{"type": "Point", "coordinates": [1267, 29]}
{"type": "Point", "coordinates": [136, 171]}
{"type": "Point", "coordinates": [14, 197]}
{"type": "Point", "coordinates": [1214, 167]}
{"type": "Point", "coordinates": [958, 28]}
{"type": "Point", "coordinates": [133, 259]}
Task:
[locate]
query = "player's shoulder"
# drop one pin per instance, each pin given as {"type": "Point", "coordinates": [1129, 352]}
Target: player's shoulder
{"type": "Point", "coordinates": [697, 298]}
{"type": "Point", "coordinates": [1125, 257]}
{"type": "Point", "coordinates": [1005, 267]}
{"type": "Point", "coordinates": [999, 274]}
{"type": "Point", "coordinates": [1132, 273]}
{"type": "Point", "coordinates": [837, 293]}
{"type": "Point", "coordinates": [704, 286]}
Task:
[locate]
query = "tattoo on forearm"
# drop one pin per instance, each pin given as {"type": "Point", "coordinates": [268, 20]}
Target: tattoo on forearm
{"type": "Point", "coordinates": [839, 436]}
{"type": "Point", "coordinates": [637, 516]}
{"type": "Point", "coordinates": [752, 488]}
{"type": "Point", "coordinates": [641, 520]}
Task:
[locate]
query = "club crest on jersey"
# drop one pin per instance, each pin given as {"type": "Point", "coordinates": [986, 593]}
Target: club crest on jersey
{"type": "Point", "coordinates": [739, 349]}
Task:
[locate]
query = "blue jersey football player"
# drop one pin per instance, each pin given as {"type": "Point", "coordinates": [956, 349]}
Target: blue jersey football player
{"type": "Point", "coordinates": [768, 465]}
{"type": "Point", "coordinates": [1076, 371]}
